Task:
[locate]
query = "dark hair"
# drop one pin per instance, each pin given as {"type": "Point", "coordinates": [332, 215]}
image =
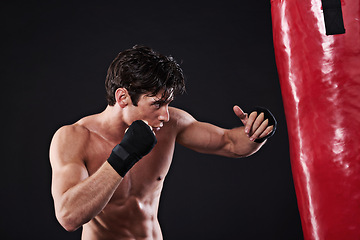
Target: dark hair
{"type": "Point", "coordinates": [141, 70]}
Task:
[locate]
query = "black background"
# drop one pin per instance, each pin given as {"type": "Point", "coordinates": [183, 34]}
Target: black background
{"type": "Point", "coordinates": [54, 59]}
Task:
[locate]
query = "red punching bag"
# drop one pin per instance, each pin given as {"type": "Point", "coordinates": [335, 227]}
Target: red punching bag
{"type": "Point", "coordinates": [320, 83]}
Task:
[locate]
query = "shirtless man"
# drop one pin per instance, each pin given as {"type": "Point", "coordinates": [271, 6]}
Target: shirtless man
{"type": "Point", "coordinates": [113, 190]}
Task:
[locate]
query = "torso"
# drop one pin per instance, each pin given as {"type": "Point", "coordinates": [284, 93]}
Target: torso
{"type": "Point", "coordinates": [132, 211]}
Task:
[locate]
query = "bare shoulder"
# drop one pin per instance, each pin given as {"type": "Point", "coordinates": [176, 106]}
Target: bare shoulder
{"type": "Point", "coordinates": [183, 121]}
{"type": "Point", "coordinates": [69, 142]}
{"type": "Point", "coordinates": [180, 117]}
{"type": "Point", "coordinates": [67, 157]}
{"type": "Point", "coordinates": [73, 130]}
{"type": "Point", "coordinates": [75, 133]}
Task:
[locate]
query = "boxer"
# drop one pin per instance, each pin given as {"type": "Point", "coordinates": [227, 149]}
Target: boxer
{"type": "Point", "coordinates": [108, 169]}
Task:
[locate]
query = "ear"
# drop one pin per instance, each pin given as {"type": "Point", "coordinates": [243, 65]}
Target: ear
{"type": "Point", "coordinates": [122, 97]}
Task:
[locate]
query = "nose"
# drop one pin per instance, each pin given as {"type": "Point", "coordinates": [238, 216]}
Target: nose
{"type": "Point", "coordinates": [164, 114]}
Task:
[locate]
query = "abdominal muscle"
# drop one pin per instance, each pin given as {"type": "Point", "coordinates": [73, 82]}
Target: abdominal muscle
{"type": "Point", "coordinates": [132, 211]}
{"type": "Point", "coordinates": [130, 218]}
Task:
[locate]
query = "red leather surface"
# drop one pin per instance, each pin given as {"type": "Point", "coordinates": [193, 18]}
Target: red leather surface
{"type": "Point", "coordinates": [320, 83]}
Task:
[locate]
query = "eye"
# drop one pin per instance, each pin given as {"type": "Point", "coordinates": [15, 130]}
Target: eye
{"type": "Point", "coordinates": [157, 105]}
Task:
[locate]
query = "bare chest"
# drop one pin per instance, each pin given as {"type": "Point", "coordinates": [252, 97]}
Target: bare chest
{"type": "Point", "coordinates": [146, 177]}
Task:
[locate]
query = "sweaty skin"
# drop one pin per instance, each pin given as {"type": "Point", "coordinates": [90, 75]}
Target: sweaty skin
{"type": "Point", "coordinates": [88, 192]}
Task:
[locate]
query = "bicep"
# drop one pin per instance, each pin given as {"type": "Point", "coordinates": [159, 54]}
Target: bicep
{"type": "Point", "coordinates": [202, 137]}
{"type": "Point", "coordinates": [66, 158]}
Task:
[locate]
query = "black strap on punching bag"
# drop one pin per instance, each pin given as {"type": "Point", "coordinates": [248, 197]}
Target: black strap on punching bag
{"type": "Point", "coordinates": [334, 23]}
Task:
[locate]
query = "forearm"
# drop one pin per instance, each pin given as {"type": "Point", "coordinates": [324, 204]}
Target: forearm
{"type": "Point", "coordinates": [88, 198]}
{"type": "Point", "coordinates": [239, 144]}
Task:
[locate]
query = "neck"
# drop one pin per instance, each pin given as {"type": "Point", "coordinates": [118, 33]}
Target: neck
{"type": "Point", "coordinates": [113, 124]}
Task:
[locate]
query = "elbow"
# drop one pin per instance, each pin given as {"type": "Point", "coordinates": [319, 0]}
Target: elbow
{"type": "Point", "coordinates": [69, 228]}
{"type": "Point", "coordinates": [70, 216]}
{"type": "Point", "coordinates": [67, 220]}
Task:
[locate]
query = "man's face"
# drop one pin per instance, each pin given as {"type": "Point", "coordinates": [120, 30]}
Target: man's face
{"type": "Point", "coordinates": [153, 109]}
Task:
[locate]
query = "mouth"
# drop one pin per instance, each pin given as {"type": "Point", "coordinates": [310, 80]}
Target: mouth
{"type": "Point", "coordinates": [154, 128]}
{"type": "Point", "coordinates": [158, 127]}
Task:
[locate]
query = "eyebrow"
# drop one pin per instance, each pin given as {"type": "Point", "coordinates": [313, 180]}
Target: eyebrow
{"type": "Point", "coordinates": [163, 101]}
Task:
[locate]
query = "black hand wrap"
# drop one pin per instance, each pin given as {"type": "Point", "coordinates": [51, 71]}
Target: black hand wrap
{"type": "Point", "coordinates": [138, 141]}
{"type": "Point", "coordinates": [272, 121]}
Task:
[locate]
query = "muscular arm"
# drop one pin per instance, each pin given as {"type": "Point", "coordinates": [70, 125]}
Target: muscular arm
{"type": "Point", "coordinates": [207, 138]}
{"type": "Point", "coordinates": [77, 197]}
